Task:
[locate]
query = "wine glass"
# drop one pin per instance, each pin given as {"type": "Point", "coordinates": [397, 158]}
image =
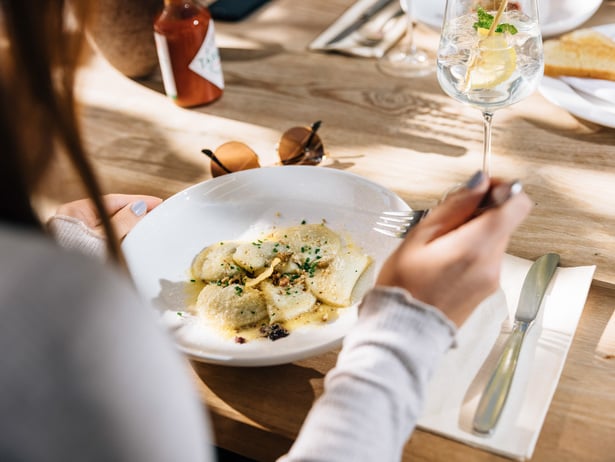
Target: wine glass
{"type": "Point", "coordinates": [490, 56]}
{"type": "Point", "coordinates": [407, 60]}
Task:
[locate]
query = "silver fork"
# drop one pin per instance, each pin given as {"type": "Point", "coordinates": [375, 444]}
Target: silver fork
{"type": "Point", "coordinates": [398, 224]}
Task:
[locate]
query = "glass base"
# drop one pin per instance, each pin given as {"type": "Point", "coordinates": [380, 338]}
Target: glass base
{"type": "Point", "coordinates": [399, 63]}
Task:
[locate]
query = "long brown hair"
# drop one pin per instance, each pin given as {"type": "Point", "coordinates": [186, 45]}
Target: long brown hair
{"type": "Point", "coordinates": [40, 48]}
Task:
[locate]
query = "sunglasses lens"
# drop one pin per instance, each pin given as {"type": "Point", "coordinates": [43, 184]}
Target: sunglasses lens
{"type": "Point", "coordinates": [299, 145]}
{"type": "Point", "coordinates": [235, 156]}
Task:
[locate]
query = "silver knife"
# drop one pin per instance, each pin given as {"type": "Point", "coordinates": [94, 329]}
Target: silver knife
{"type": "Point", "coordinates": [494, 397]}
{"type": "Point", "coordinates": [361, 20]}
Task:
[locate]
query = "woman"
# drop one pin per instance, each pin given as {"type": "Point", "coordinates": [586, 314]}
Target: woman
{"type": "Point", "coordinates": [87, 374]}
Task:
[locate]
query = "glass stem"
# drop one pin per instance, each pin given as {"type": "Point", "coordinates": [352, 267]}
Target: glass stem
{"type": "Point", "coordinates": [410, 49]}
{"type": "Point", "coordinates": [487, 118]}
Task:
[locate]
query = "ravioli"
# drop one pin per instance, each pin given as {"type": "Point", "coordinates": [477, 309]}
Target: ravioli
{"type": "Point", "coordinates": [254, 257]}
{"type": "Point", "coordinates": [310, 242]}
{"type": "Point", "coordinates": [287, 302]}
{"type": "Point", "coordinates": [233, 306]}
{"type": "Point", "coordinates": [281, 277]}
{"type": "Point", "coordinates": [215, 262]}
{"type": "Point", "coordinates": [334, 283]}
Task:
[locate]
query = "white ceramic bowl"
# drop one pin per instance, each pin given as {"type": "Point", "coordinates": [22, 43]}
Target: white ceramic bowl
{"type": "Point", "coordinates": [160, 249]}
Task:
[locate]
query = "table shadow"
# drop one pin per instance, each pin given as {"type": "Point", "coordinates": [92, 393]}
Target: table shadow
{"type": "Point", "coordinates": [594, 134]}
{"type": "Point", "coordinates": [143, 148]}
{"type": "Point", "coordinates": [425, 116]}
{"type": "Point", "coordinates": [258, 393]}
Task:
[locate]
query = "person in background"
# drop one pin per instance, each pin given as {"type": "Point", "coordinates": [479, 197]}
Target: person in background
{"type": "Point", "coordinates": [87, 371]}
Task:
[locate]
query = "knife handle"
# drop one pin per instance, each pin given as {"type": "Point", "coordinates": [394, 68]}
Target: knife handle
{"type": "Point", "coordinates": [494, 397]}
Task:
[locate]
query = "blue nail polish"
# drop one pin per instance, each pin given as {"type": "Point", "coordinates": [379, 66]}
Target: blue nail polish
{"type": "Point", "coordinates": [475, 180]}
{"type": "Point", "coordinates": [139, 208]}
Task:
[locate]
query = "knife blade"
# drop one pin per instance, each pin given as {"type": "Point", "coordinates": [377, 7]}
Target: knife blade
{"type": "Point", "coordinates": [361, 20]}
{"type": "Point", "coordinates": [496, 392]}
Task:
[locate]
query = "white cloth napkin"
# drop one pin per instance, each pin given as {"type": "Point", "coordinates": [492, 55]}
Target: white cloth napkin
{"type": "Point", "coordinates": [350, 44]}
{"type": "Point", "coordinates": [458, 383]}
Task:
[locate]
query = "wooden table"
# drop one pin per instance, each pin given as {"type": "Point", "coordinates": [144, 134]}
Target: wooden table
{"type": "Point", "coordinates": [405, 134]}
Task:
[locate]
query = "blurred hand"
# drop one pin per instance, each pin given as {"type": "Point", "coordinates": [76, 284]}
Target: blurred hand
{"type": "Point", "coordinates": [125, 211]}
{"type": "Point", "coordinates": [451, 260]}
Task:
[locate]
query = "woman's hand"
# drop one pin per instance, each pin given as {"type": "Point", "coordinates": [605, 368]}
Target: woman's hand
{"type": "Point", "coordinates": [125, 211]}
{"type": "Point", "coordinates": [451, 260]}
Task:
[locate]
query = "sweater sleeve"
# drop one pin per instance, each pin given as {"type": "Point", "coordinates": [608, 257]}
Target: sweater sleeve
{"type": "Point", "coordinates": [88, 372]}
{"type": "Point", "coordinates": [374, 395]}
{"type": "Point", "coordinates": [71, 233]}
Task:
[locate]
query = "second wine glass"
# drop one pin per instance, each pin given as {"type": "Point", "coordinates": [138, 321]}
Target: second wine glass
{"type": "Point", "coordinates": [490, 56]}
{"type": "Point", "coordinates": [407, 60]}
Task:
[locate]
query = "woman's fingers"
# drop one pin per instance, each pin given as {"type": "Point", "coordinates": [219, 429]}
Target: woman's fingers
{"type": "Point", "coordinates": [130, 214]}
{"type": "Point", "coordinates": [125, 211]}
{"type": "Point", "coordinates": [497, 224]}
{"type": "Point", "coordinates": [85, 211]}
{"type": "Point", "coordinates": [457, 208]}
{"type": "Point", "coordinates": [452, 259]}
{"type": "Point", "coordinates": [115, 202]}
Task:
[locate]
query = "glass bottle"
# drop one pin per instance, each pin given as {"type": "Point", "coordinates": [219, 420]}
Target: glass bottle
{"type": "Point", "coordinates": [187, 52]}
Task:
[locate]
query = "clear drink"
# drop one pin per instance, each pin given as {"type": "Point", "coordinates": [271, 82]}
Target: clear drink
{"type": "Point", "coordinates": [490, 72]}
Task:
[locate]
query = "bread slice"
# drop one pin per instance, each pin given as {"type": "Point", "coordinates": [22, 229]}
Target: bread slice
{"type": "Point", "coordinates": [582, 53]}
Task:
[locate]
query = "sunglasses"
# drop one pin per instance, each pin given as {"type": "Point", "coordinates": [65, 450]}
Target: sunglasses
{"type": "Point", "coordinates": [297, 146]}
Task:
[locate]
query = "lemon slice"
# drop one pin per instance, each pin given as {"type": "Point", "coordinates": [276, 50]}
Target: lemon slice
{"type": "Point", "coordinates": [495, 62]}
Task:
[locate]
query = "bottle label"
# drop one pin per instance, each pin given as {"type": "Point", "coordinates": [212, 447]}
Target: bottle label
{"type": "Point", "coordinates": [166, 70]}
{"type": "Point", "coordinates": [206, 63]}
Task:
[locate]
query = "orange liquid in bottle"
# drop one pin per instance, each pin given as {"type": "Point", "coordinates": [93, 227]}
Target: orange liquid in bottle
{"type": "Point", "coordinates": [188, 56]}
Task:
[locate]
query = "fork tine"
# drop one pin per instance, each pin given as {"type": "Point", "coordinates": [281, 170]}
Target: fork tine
{"type": "Point", "coordinates": [398, 230]}
{"type": "Point", "coordinates": [398, 223]}
{"type": "Point", "coordinates": [400, 213]}
{"type": "Point", "coordinates": [399, 227]}
{"type": "Point", "coordinates": [389, 233]}
{"type": "Point", "coordinates": [401, 220]}
{"type": "Point", "coordinates": [406, 218]}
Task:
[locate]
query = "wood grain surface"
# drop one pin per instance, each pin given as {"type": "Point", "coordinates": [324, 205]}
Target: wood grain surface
{"type": "Point", "coordinates": [405, 134]}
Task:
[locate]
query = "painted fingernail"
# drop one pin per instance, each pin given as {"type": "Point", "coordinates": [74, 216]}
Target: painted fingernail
{"type": "Point", "coordinates": [139, 208]}
{"type": "Point", "coordinates": [475, 180]}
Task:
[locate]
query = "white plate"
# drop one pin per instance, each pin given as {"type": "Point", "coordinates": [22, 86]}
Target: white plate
{"type": "Point", "coordinates": [581, 104]}
{"type": "Point", "coordinates": [161, 247]}
{"type": "Point", "coordinates": [556, 16]}
{"type": "Point", "coordinates": [603, 90]}
{"type": "Point", "coordinates": [559, 16]}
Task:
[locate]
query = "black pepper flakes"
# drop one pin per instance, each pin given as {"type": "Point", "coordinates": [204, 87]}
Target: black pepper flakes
{"type": "Point", "coordinates": [273, 332]}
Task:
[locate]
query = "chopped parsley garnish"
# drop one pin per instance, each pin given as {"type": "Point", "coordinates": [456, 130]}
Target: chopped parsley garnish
{"type": "Point", "coordinates": [238, 291]}
{"type": "Point", "coordinates": [309, 266]}
{"type": "Point", "coordinates": [485, 20]}
{"type": "Point", "coordinates": [292, 276]}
